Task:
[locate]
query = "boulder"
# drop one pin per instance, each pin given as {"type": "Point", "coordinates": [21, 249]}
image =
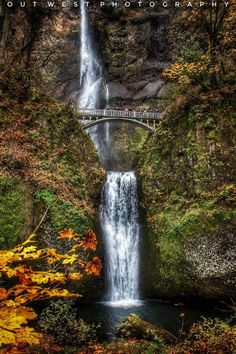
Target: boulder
{"type": "Point", "coordinates": [137, 85]}
{"type": "Point", "coordinates": [117, 90]}
{"type": "Point", "coordinates": [150, 90]}
{"type": "Point", "coordinates": [134, 327]}
{"type": "Point", "coordinates": [164, 92]}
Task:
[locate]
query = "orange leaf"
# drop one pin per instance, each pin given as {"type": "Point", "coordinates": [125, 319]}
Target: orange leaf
{"type": "Point", "coordinates": [94, 267]}
{"type": "Point", "coordinates": [90, 241]}
{"type": "Point", "coordinates": [24, 274]}
{"type": "Point", "coordinates": [3, 294]}
{"type": "Point", "coordinates": [67, 233]}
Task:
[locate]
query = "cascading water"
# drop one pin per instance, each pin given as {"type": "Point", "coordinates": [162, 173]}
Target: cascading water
{"type": "Point", "coordinates": [119, 209]}
{"type": "Point", "coordinates": [119, 220]}
{"type": "Point", "coordinates": [94, 91]}
{"type": "Point", "coordinates": [91, 79]}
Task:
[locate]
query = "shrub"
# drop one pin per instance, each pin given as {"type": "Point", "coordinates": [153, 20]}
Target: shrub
{"type": "Point", "coordinates": [157, 347]}
{"type": "Point", "coordinates": [209, 336]}
{"type": "Point", "coordinates": [59, 321]}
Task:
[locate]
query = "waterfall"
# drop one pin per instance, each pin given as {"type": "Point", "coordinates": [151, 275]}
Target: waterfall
{"type": "Point", "coordinates": [91, 80]}
{"type": "Point", "coordinates": [119, 220]}
{"type": "Point", "coordinates": [94, 90]}
{"type": "Point", "coordinates": [119, 209]}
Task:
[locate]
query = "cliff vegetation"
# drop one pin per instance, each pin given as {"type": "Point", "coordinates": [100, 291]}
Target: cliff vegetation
{"type": "Point", "coordinates": [187, 168]}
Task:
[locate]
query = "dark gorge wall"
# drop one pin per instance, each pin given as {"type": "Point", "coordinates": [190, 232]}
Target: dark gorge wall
{"type": "Point", "coordinates": [135, 53]}
{"type": "Point", "coordinates": [133, 48]}
{"type": "Point", "coordinates": [187, 194]}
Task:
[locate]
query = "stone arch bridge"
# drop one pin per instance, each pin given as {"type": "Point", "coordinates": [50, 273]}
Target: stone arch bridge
{"type": "Point", "coordinates": [92, 117]}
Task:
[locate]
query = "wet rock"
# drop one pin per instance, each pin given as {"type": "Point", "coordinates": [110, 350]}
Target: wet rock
{"type": "Point", "coordinates": [150, 15]}
{"type": "Point", "coordinates": [117, 90]}
{"type": "Point", "coordinates": [164, 92]}
{"type": "Point", "coordinates": [137, 85]}
{"type": "Point", "coordinates": [150, 90]}
{"type": "Point", "coordinates": [134, 327]}
{"type": "Point", "coordinates": [211, 258]}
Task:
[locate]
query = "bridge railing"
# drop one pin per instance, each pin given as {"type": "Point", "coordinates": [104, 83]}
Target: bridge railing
{"type": "Point", "coordinates": [117, 113]}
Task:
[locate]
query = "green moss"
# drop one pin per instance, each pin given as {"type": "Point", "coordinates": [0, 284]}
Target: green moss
{"type": "Point", "coordinates": [63, 214]}
{"type": "Point", "coordinates": [13, 201]}
{"type": "Point", "coordinates": [56, 164]}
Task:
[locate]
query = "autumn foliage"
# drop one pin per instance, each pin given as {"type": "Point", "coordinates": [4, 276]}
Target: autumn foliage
{"type": "Point", "coordinates": [23, 281]}
{"type": "Point", "coordinates": [202, 46]}
{"type": "Point", "coordinates": [208, 336]}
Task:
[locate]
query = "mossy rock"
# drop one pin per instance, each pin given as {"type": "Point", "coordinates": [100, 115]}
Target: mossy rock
{"type": "Point", "coordinates": [134, 327]}
{"type": "Point", "coordinates": [16, 211]}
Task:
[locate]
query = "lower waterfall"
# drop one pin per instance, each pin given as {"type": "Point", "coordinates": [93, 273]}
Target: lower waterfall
{"type": "Point", "coordinates": [119, 222]}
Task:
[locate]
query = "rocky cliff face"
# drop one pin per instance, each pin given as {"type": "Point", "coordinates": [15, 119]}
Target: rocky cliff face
{"type": "Point", "coordinates": [135, 52]}
{"type": "Point", "coordinates": [133, 48]}
{"type": "Point", "coordinates": [187, 174]}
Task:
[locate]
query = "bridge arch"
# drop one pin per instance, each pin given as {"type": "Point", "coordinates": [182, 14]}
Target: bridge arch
{"type": "Point", "coordinates": [118, 119]}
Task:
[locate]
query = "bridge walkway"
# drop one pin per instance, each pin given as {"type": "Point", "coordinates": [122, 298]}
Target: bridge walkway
{"type": "Point", "coordinates": [91, 117]}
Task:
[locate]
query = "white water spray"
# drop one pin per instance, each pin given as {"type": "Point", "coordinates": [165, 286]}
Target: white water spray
{"type": "Point", "coordinates": [119, 218]}
{"type": "Point", "coordinates": [91, 80]}
{"type": "Point", "coordinates": [94, 90]}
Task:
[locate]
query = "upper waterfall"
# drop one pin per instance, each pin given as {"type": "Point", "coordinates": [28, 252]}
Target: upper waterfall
{"type": "Point", "coordinates": [93, 88]}
{"type": "Point", "coordinates": [92, 82]}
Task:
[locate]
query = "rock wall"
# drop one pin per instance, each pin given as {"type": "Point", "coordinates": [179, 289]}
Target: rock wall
{"type": "Point", "coordinates": [133, 48]}
{"type": "Point", "coordinates": [187, 194]}
{"type": "Point", "coordinates": [135, 51]}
